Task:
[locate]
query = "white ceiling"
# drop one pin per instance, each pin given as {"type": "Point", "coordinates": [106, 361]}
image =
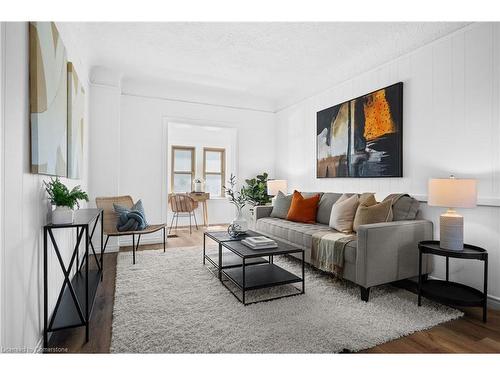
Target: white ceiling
{"type": "Point", "coordinates": [279, 62]}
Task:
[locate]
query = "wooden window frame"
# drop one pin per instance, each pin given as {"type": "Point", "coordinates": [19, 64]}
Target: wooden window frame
{"type": "Point", "coordinates": [172, 165]}
{"type": "Point", "coordinates": [222, 166]}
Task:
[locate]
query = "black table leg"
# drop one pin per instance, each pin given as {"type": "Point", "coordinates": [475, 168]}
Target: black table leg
{"type": "Point", "coordinates": [204, 242]}
{"type": "Point", "coordinates": [447, 269]}
{"type": "Point", "coordinates": [419, 278]}
{"type": "Point", "coordinates": [164, 239]}
{"type": "Point", "coordinates": [303, 275]}
{"type": "Point", "coordinates": [243, 286]}
{"type": "Point", "coordinates": [45, 289]}
{"type": "Point", "coordinates": [133, 248]}
{"type": "Point", "coordinates": [87, 240]}
{"type": "Point", "coordinates": [220, 261]}
{"type": "Point", "coordinates": [102, 245]}
{"type": "Point", "coordinates": [485, 302]}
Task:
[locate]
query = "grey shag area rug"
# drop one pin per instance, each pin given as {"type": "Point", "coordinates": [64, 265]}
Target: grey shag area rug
{"type": "Point", "coordinates": [170, 303]}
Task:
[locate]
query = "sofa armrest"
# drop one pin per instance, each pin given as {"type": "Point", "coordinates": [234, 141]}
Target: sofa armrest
{"type": "Point", "coordinates": [388, 252]}
{"type": "Point", "coordinates": [262, 211]}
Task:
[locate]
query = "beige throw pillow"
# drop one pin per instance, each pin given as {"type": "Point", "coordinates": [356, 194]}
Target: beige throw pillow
{"type": "Point", "coordinates": [378, 213]}
{"type": "Point", "coordinates": [367, 199]}
{"type": "Point", "coordinates": [343, 212]}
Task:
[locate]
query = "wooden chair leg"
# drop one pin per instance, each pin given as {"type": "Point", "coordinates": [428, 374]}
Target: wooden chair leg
{"type": "Point", "coordinates": [171, 223]}
{"type": "Point", "coordinates": [195, 223]}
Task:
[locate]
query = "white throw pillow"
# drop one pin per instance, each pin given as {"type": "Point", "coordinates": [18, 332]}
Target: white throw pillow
{"type": "Point", "coordinates": [343, 213]}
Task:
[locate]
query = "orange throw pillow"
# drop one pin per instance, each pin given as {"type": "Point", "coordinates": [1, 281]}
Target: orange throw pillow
{"type": "Point", "coordinates": [303, 210]}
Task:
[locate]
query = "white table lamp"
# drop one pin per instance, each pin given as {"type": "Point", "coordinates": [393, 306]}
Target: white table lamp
{"type": "Point", "coordinates": [452, 193]}
{"type": "Point", "coordinates": [274, 186]}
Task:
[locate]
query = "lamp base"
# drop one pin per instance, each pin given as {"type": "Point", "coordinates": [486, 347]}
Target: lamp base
{"type": "Point", "coordinates": [451, 231]}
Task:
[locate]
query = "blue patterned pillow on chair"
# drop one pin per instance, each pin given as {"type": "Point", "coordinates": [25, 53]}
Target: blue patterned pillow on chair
{"type": "Point", "coordinates": [130, 219]}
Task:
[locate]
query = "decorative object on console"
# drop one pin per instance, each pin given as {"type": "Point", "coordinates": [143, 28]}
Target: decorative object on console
{"type": "Point", "coordinates": [198, 185]}
{"type": "Point", "coordinates": [76, 115]}
{"type": "Point", "coordinates": [64, 199]}
{"type": "Point", "coordinates": [303, 210]}
{"type": "Point", "coordinates": [274, 187]}
{"type": "Point", "coordinates": [452, 193]}
{"type": "Point", "coordinates": [255, 190]}
{"type": "Point", "coordinates": [48, 100]}
{"type": "Point", "coordinates": [362, 137]}
{"type": "Point", "coordinates": [239, 199]}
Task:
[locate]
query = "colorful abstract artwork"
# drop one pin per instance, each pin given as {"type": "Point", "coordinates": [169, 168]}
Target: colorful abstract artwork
{"type": "Point", "coordinates": [362, 137]}
{"type": "Point", "coordinates": [76, 113]}
{"type": "Point", "coordinates": [48, 100]}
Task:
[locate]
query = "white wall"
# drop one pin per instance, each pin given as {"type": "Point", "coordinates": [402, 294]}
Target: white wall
{"type": "Point", "coordinates": [25, 205]}
{"type": "Point", "coordinates": [450, 125]}
{"type": "Point", "coordinates": [138, 142]}
{"type": "Point", "coordinates": [220, 211]}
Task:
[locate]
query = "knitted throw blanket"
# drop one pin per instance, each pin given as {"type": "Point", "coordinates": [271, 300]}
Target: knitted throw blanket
{"type": "Point", "coordinates": [327, 253]}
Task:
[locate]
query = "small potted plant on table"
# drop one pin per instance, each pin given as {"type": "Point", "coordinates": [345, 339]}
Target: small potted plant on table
{"type": "Point", "coordinates": [64, 199]}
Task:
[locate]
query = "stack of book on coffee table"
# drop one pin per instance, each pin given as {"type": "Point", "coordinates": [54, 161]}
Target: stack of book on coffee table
{"type": "Point", "coordinates": [259, 243]}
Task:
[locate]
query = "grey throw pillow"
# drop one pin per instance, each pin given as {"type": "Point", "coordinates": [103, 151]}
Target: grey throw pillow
{"type": "Point", "coordinates": [325, 207]}
{"type": "Point", "coordinates": [281, 205]}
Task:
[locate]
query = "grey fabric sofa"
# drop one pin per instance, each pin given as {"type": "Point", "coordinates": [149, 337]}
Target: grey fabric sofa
{"type": "Point", "coordinates": [382, 253]}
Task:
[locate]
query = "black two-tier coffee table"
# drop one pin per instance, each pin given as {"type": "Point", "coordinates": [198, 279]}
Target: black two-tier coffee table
{"type": "Point", "coordinates": [226, 259]}
{"type": "Point", "coordinates": [449, 292]}
{"type": "Point", "coordinates": [251, 276]}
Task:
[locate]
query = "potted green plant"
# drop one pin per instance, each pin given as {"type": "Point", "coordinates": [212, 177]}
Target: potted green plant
{"type": "Point", "coordinates": [239, 199]}
{"type": "Point", "coordinates": [256, 190]}
{"type": "Point", "coordinates": [64, 199]}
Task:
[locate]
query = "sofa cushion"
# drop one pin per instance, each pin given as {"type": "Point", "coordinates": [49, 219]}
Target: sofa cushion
{"type": "Point", "coordinates": [343, 212]}
{"type": "Point", "coordinates": [281, 205]}
{"type": "Point", "coordinates": [377, 213]}
{"type": "Point", "coordinates": [325, 207]}
{"type": "Point", "coordinates": [367, 199]}
{"type": "Point", "coordinates": [302, 209]}
{"type": "Point", "coordinates": [299, 234]}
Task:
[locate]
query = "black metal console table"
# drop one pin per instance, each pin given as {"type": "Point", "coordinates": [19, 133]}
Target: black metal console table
{"type": "Point", "coordinates": [76, 296]}
{"type": "Point", "coordinates": [449, 292]}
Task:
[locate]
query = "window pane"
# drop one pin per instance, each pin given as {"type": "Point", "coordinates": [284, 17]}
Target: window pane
{"type": "Point", "coordinates": [212, 161]}
{"type": "Point", "coordinates": [182, 160]}
{"type": "Point", "coordinates": [182, 183]}
{"type": "Point", "coordinates": [213, 185]}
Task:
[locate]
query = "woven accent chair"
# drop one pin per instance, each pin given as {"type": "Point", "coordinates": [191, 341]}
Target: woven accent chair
{"type": "Point", "coordinates": [182, 205]}
{"type": "Point", "coordinates": [111, 219]}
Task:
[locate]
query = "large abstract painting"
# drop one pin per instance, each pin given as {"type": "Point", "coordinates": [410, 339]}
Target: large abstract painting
{"type": "Point", "coordinates": [76, 112]}
{"type": "Point", "coordinates": [48, 100]}
{"type": "Point", "coordinates": [362, 137]}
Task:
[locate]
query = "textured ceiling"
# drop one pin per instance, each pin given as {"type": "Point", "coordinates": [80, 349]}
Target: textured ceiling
{"type": "Point", "coordinates": [279, 62]}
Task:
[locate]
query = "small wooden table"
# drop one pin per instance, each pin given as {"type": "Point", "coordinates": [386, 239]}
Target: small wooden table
{"type": "Point", "coordinates": [202, 197]}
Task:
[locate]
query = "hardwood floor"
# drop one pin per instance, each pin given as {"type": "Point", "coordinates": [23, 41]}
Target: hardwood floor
{"type": "Point", "coordinates": [466, 335]}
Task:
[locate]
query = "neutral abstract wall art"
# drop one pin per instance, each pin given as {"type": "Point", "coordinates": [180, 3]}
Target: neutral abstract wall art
{"type": "Point", "coordinates": [48, 100]}
{"type": "Point", "coordinates": [362, 137]}
{"type": "Point", "coordinates": [76, 113]}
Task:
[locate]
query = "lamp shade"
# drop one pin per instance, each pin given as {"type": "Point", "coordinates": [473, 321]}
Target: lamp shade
{"type": "Point", "coordinates": [452, 192]}
{"type": "Point", "coordinates": [273, 186]}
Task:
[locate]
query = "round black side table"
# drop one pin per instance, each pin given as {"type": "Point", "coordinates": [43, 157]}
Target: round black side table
{"type": "Point", "coordinates": [449, 292]}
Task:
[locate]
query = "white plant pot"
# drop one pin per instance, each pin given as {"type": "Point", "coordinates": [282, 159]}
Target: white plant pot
{"type": "Point", "coordinates": [62, 215]}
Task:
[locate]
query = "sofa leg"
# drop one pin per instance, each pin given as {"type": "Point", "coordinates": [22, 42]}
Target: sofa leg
{"type": "Point", "coordinates": [365, 293]}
